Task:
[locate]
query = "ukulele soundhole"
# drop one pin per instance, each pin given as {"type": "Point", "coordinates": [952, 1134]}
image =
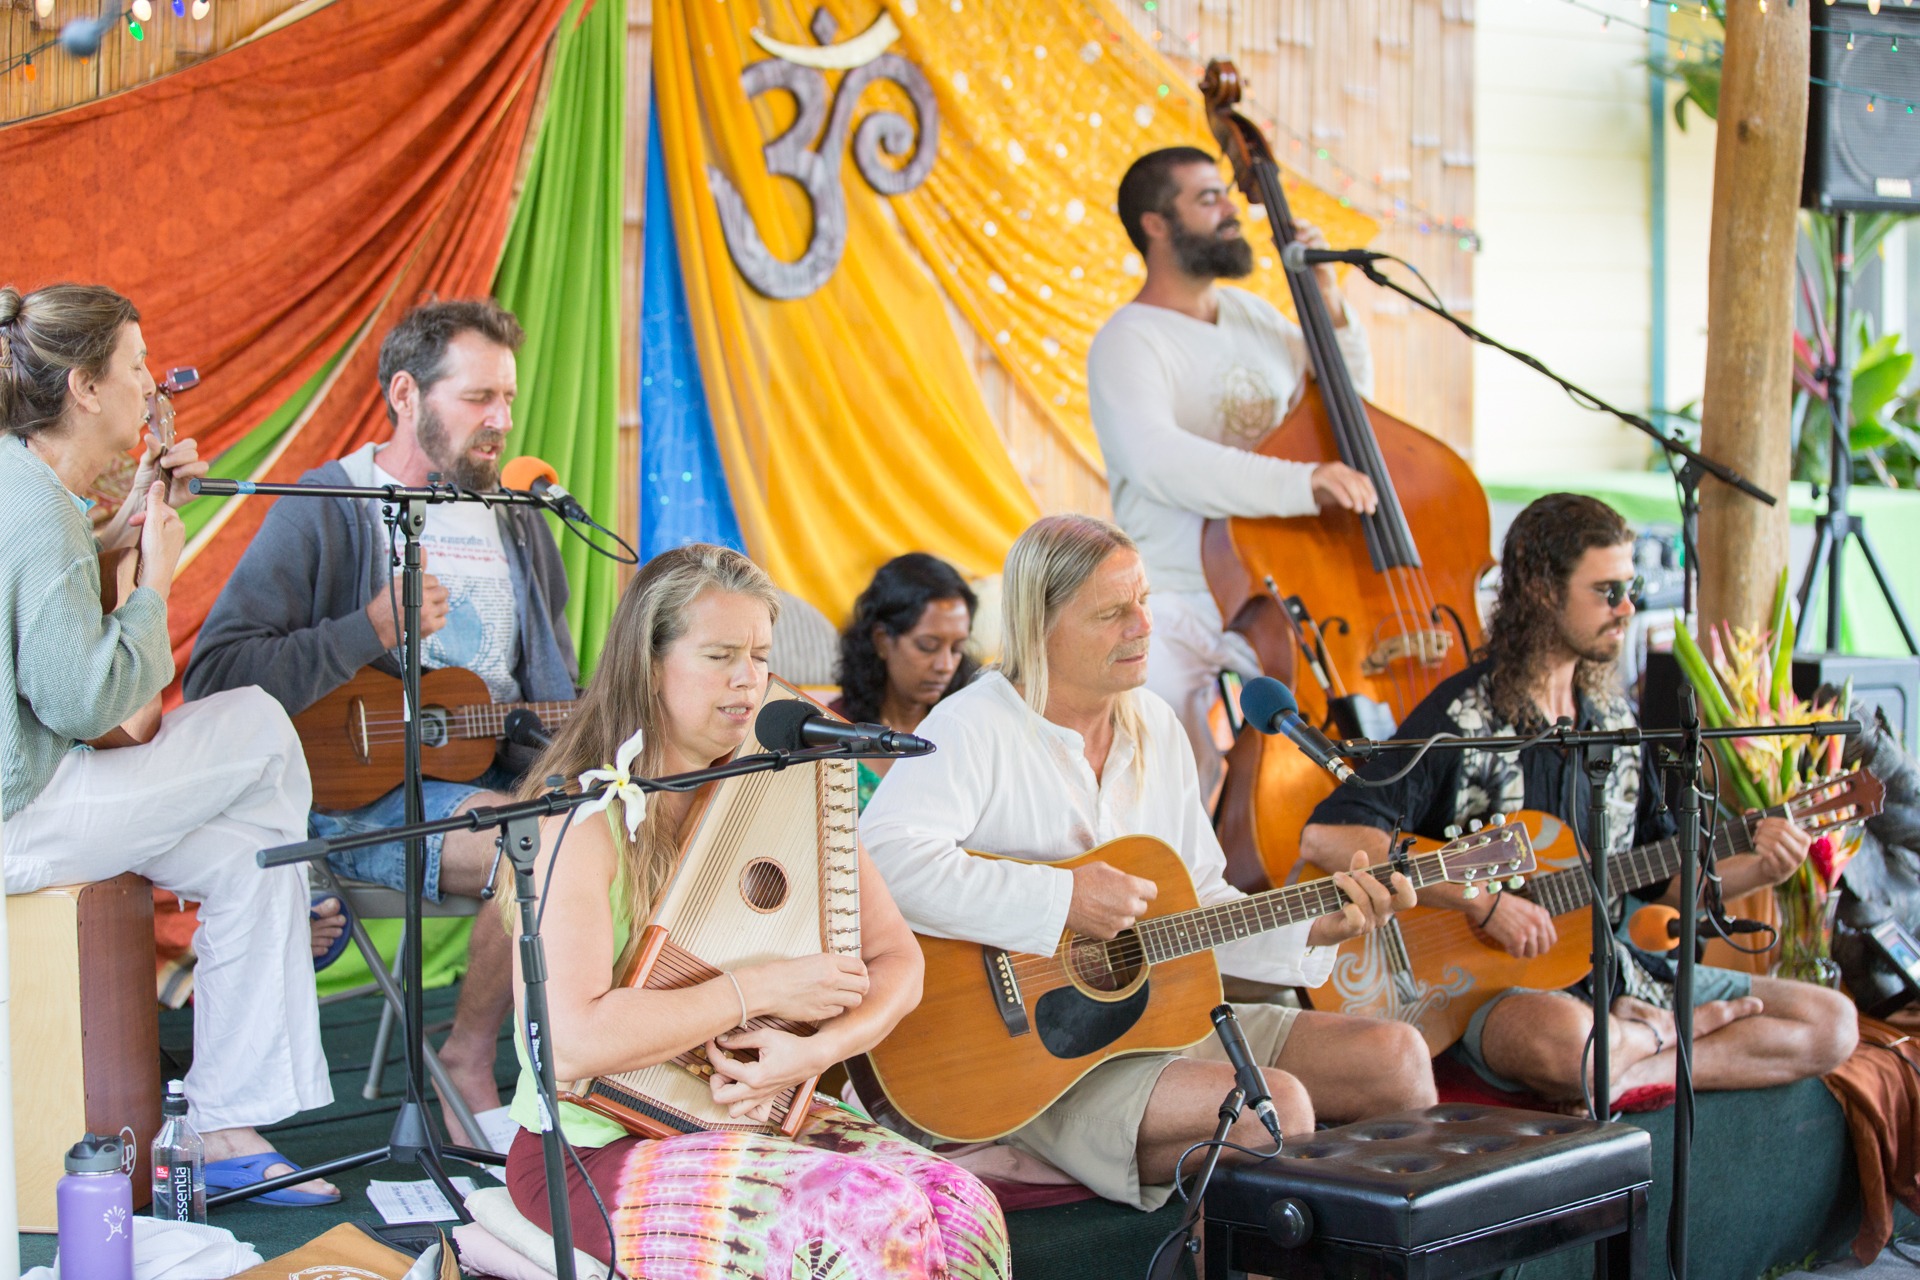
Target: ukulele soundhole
{"type": "Point", "coordinates": [434, 728]}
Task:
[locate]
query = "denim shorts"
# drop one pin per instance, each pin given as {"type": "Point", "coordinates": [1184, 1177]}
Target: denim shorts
{"type": "Point", "coordinates": [386, 864]}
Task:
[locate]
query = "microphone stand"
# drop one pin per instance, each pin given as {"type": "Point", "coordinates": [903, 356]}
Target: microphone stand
{"type": "Point", "coordinates": [519, 825]}
{"type": "Point", "coordinates": [1167, 1262]}
{"type": "Point", "coordinates": [412, 1139]}
{"type": "Point", "coordinates": [1694, 465]}
{"type": "Point", "coordinates": [1685, 768]}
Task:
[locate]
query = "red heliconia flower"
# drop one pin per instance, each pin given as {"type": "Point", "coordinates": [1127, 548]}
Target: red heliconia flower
{"type": "Point", "coordinates": [1820, 853]}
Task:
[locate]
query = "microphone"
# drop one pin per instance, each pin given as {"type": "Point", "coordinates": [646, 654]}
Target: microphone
{"type": "Point", "coordinates": [1252, 1082]}
{"type": "Point", "coordinates": [1269, 706]}
{"type": "Point", "coordinates": [790, 724]}
{"type": "Point", "coordinates": [543, 482]}
{"type": "Point", "coordinates": [1296, 257]}
{"type": "Point", "coordinates": [523, 728]}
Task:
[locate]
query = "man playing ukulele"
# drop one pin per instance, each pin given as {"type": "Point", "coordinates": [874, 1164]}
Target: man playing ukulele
{"type": "Point", "coordinates": [1061, 749]}
{"type": "Point", "coordinates": [1566, 578]}
{"type": "Point", "coordinates": [313, 601]}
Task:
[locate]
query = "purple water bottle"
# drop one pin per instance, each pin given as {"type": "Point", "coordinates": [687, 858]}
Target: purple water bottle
{"type": "Point", "coordinates": [94, 1203]}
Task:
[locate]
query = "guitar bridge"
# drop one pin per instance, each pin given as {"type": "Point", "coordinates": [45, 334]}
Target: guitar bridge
{"type": "Point", "coordinates": [1005, 986]}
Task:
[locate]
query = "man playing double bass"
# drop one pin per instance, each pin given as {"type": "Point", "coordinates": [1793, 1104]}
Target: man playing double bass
{"type": "Point", "coordinates": [1185, 381]}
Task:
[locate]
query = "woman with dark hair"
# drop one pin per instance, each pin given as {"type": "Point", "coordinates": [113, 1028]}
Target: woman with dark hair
{"type": "Point", "coordinates": [905, 649]}
{"type": "Point", "coordinates": [219, 779]}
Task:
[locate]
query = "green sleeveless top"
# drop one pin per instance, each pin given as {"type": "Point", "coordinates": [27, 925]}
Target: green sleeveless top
{"type": "Point", "coordinates": [582, 1128]}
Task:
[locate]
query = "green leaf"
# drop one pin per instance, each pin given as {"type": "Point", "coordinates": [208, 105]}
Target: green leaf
{"type": "Point", "coordinates": [1877, 379]}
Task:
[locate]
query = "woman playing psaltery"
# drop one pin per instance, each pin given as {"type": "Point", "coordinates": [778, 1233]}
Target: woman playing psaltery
{"type": "Point", "coordinates": [685, 664]}
{"type": "Point", "coordinates": [905, 649]}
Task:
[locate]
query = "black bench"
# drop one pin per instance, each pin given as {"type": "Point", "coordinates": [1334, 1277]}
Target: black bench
{"type": "Point", "coordinates": [1455, 1190]}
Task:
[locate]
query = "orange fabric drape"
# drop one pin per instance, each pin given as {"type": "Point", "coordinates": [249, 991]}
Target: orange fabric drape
{"type": "Point", "coordinates": [259, 208]}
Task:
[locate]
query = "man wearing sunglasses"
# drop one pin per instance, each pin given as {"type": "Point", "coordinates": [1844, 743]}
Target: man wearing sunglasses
{"type": "Point", "coordinates": [1566, 595]}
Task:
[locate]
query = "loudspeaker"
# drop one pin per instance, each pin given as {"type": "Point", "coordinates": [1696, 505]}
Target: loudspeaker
{"type": "Point", "coordinates": [1891, 684]}
{"type": "Point", "coordinates": [1861, 160]}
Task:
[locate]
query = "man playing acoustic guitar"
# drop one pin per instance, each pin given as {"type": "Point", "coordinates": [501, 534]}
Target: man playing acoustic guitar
{"type": "Point", "coordinates": [1058, 750]}
{"type": "Point", "coordinates": [314, 600]}
{"type": "Point", "coordinates": [1566, 578]}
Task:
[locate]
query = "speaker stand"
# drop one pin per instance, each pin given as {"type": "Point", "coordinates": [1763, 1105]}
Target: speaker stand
{"type": "Point", "coordinates": [1837, 524]}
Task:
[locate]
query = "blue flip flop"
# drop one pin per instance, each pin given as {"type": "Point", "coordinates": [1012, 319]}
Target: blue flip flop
{"type": "Point", "coordinates": [339, 946]}
{"type": "Point", "coordinates": [237, 1172]}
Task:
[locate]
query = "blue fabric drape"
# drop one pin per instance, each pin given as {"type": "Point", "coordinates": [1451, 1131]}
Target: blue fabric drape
{"type": "Point", "coordinates": [683, 486]}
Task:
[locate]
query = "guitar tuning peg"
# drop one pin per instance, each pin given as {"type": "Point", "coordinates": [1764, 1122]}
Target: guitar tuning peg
{"type": "Point", "coordinates": [1475, 824]}
{"type": "Point", "coordinates": [1493, 886]}
{"type": "Point", "coordinates": [1517, 882]}
{"type": "Point", "coordinates": [1452, 832]}
{"type": "Point", "coordinates": [1498, 820]}
{"type": "Point", "coordinates": [1471, 891]}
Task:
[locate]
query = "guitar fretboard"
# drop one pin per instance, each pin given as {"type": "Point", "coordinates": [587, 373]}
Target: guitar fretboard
{"type": "Point", "coordinates": [1168, 937]}
{"type": "Point", "coordinates": [1563, 891]}
{"type": "Point", "coordinates": [489, 719]}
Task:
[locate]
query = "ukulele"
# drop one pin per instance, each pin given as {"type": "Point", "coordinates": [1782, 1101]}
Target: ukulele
{"type": "Point", "coordinates": [998, 1036]}
{"type": "Point", "coordinates": [1431, 967]}
{"type": "Point", "coordinates": [355, 737]}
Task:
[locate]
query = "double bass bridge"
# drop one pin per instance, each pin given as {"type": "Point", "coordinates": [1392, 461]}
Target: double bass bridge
{"type": "Point", "coordinates": [1426, 646]}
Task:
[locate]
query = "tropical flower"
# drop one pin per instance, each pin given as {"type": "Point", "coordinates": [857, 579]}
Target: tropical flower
{"type": "Point", "coordinates": [620, 785]}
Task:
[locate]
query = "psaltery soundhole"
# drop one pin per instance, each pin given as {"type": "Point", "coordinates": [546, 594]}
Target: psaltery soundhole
{"type": "Point", "coordinates": [763, 883]}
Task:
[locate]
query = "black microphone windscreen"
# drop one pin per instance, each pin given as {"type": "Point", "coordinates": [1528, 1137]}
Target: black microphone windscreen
{"type": "Point", "coordinates": [778, 724]}
{"type": "Point", "coordinates": [1263, 700]}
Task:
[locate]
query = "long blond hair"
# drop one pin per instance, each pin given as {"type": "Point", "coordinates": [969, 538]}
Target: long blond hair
{"type": "Point", "coordinates": [1047, 565]}
{"type": "Point", "coordinates": [626, 695]}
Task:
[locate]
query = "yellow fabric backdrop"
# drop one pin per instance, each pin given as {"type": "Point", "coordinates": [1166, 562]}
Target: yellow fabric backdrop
{"type": "Point", "coordinates": [850, 422]}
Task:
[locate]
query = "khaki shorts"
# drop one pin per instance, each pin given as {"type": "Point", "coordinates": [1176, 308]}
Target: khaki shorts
{"type": "Point", "coordinates": [1092, 1130]}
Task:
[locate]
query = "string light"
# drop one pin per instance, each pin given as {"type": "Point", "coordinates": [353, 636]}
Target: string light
{"type": "Point", "coordinates": [180, 8]}
{"type": "Point", "coordinates": [201, 8]}
{"type": "Point", "coordinates": [31, 73]}
{"type": "Point", "coordinates": [134, 28]}
{"type": "Point", "coordinates": [143, 10]}
{"type": "Point", "coordinates": [43, 7]}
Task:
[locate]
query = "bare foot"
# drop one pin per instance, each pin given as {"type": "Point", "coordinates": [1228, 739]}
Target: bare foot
{"type": "Point", "coordinates": [472, 1073]}
{"type": "Point", "coordinates": [332, 922]}
{"type": "Point", "coordinates": [1645, 1035]}
{"type": "Point", "coordinates": [224, 1144]}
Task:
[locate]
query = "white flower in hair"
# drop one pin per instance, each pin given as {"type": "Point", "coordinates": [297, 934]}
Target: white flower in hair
{"type": "Point", "coordinates": [620, 785]}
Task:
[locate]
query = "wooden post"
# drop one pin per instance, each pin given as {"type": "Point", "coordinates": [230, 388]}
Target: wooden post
{"type": "Point", "coordinates": [1749, 391]}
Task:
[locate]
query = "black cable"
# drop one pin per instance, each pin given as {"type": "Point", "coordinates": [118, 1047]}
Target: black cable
{"type": "Point", "coordinates": [631, 556]}
{"type": "Point", "coordinates": [1179, 1167]}
{"type": "Point", "coordinates": [1438, 738]}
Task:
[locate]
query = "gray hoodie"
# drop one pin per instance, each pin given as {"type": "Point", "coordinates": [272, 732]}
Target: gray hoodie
{"type": "Point", "coordinates": [293, 620]}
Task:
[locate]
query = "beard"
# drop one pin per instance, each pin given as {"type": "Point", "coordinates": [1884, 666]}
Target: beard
{"type": "Point", "coordinates": [462, 469]}
{"type": "Point", "coordinates": [1210, 256]}
{"type": "Point", "coordinates": [1601, 648]}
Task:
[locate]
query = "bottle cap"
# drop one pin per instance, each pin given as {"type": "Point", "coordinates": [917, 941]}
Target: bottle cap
{"type": "Point", "coordinates": [175, 1103]}
{"type": "Point", "coordinates": [95, 1154]}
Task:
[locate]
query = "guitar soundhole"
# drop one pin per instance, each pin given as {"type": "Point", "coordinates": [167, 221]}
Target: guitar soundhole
{"type": "Point", "coordinates": [434, 731]}
{"type": "Point", "coordinates": [764, 885]}
{"type": "Point", "coordinates": [1106, 966]}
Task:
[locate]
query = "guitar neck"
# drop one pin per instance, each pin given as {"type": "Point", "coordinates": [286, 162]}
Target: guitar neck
{"type": "Point", "coordinates": [1568, 890]}
{"type": "Point", "coordinates": [1169, 937]}
{"type": "Point", "coordinates": [489, 719]}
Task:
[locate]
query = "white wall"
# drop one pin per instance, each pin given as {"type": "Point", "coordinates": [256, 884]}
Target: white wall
{"type": "Point", "coordinates": [1563, 196]}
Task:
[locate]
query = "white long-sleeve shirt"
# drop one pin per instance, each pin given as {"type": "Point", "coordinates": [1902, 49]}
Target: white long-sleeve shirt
{"type": "Point", "coordinates": [1178, 404]}
{"type": "Point", "coordinates": [1006, 780]}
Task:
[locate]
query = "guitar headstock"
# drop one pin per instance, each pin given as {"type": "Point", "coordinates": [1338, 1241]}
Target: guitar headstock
{"type": "Point", "coordinates": [1836, 802]}
{"type": "Point", "coordinates": [1495, 856]}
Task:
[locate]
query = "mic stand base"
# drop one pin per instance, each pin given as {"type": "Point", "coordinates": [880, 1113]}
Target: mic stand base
{"type": "Point", "coordinates": [1166, 1259]}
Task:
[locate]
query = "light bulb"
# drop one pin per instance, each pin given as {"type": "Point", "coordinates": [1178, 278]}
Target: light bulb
{"type": "Point", "coordinates": [143, 10]}
{"type": "Point", "coordinates": [200, 9]}
{"type": "Point", "coordinates": [43, 7]}
{"type": "Point", "coordinates": [33, 74]}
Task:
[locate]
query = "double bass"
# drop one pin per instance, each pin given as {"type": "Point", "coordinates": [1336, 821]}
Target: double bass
{"type": "Point", "coordinates": [1378, 608]}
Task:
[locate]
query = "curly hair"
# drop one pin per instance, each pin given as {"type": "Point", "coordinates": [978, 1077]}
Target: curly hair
{"type": "Point", "coordinates": [1543, 545]}
{"type": "Point", "coordinates": [899, 593]}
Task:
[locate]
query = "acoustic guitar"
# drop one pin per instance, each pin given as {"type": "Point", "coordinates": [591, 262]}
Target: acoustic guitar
{"type": "Point", "coordinates": [1432, 968]}
{"type": "Point", "coordinates": [998, 1035]}
{"type": "Point", "coordinates": [355, 737]}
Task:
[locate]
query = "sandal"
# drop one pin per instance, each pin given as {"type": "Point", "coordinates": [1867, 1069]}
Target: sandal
{"type": "Point", "coordinates": [238, 1172]}
{"type": "Point", "coordinates": [339, 946]}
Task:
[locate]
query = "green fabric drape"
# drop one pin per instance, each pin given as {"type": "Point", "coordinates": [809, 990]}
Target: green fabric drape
{"type": "Point", "coordinates": [560, 273]}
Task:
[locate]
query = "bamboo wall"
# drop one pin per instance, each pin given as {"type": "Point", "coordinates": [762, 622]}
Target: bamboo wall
{"type": "Point", "coordinates": [61, 80]}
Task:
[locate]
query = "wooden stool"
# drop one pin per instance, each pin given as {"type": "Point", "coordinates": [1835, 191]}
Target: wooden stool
{"type": "Point", "coordinates": [85, 1031]}
{"type": "Point", "coordinates": [1455, 1190]}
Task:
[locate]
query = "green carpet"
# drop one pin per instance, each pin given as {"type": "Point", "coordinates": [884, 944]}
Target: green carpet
{"type": "Point", "coordinates": [350, 1125]}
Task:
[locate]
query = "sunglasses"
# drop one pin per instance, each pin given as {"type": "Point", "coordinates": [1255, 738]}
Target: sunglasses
{"type": "Point", "coordinates": [1622, 589]}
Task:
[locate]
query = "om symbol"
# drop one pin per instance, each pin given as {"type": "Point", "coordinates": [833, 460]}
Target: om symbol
{"type": "Point", "coordinates": [797, 71]}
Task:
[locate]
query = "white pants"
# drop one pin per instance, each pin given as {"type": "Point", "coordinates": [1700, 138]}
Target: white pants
{"type": "Point", "coordinates": [223, 779]}
{"type": "Point", "coordinates": [1190, 648]}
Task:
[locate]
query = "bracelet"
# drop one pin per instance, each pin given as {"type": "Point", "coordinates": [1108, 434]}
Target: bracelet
{"type": "Point", "coordinates": [1490, 910]}
{"type": "Point", "coordinates": [728, 975]}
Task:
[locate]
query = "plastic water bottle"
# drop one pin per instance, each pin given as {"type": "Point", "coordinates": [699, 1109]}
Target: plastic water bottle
{"type": "Point", "coordinates": [94, 1203]}
{"type": "Point", "coordinates": [179, 1162]}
